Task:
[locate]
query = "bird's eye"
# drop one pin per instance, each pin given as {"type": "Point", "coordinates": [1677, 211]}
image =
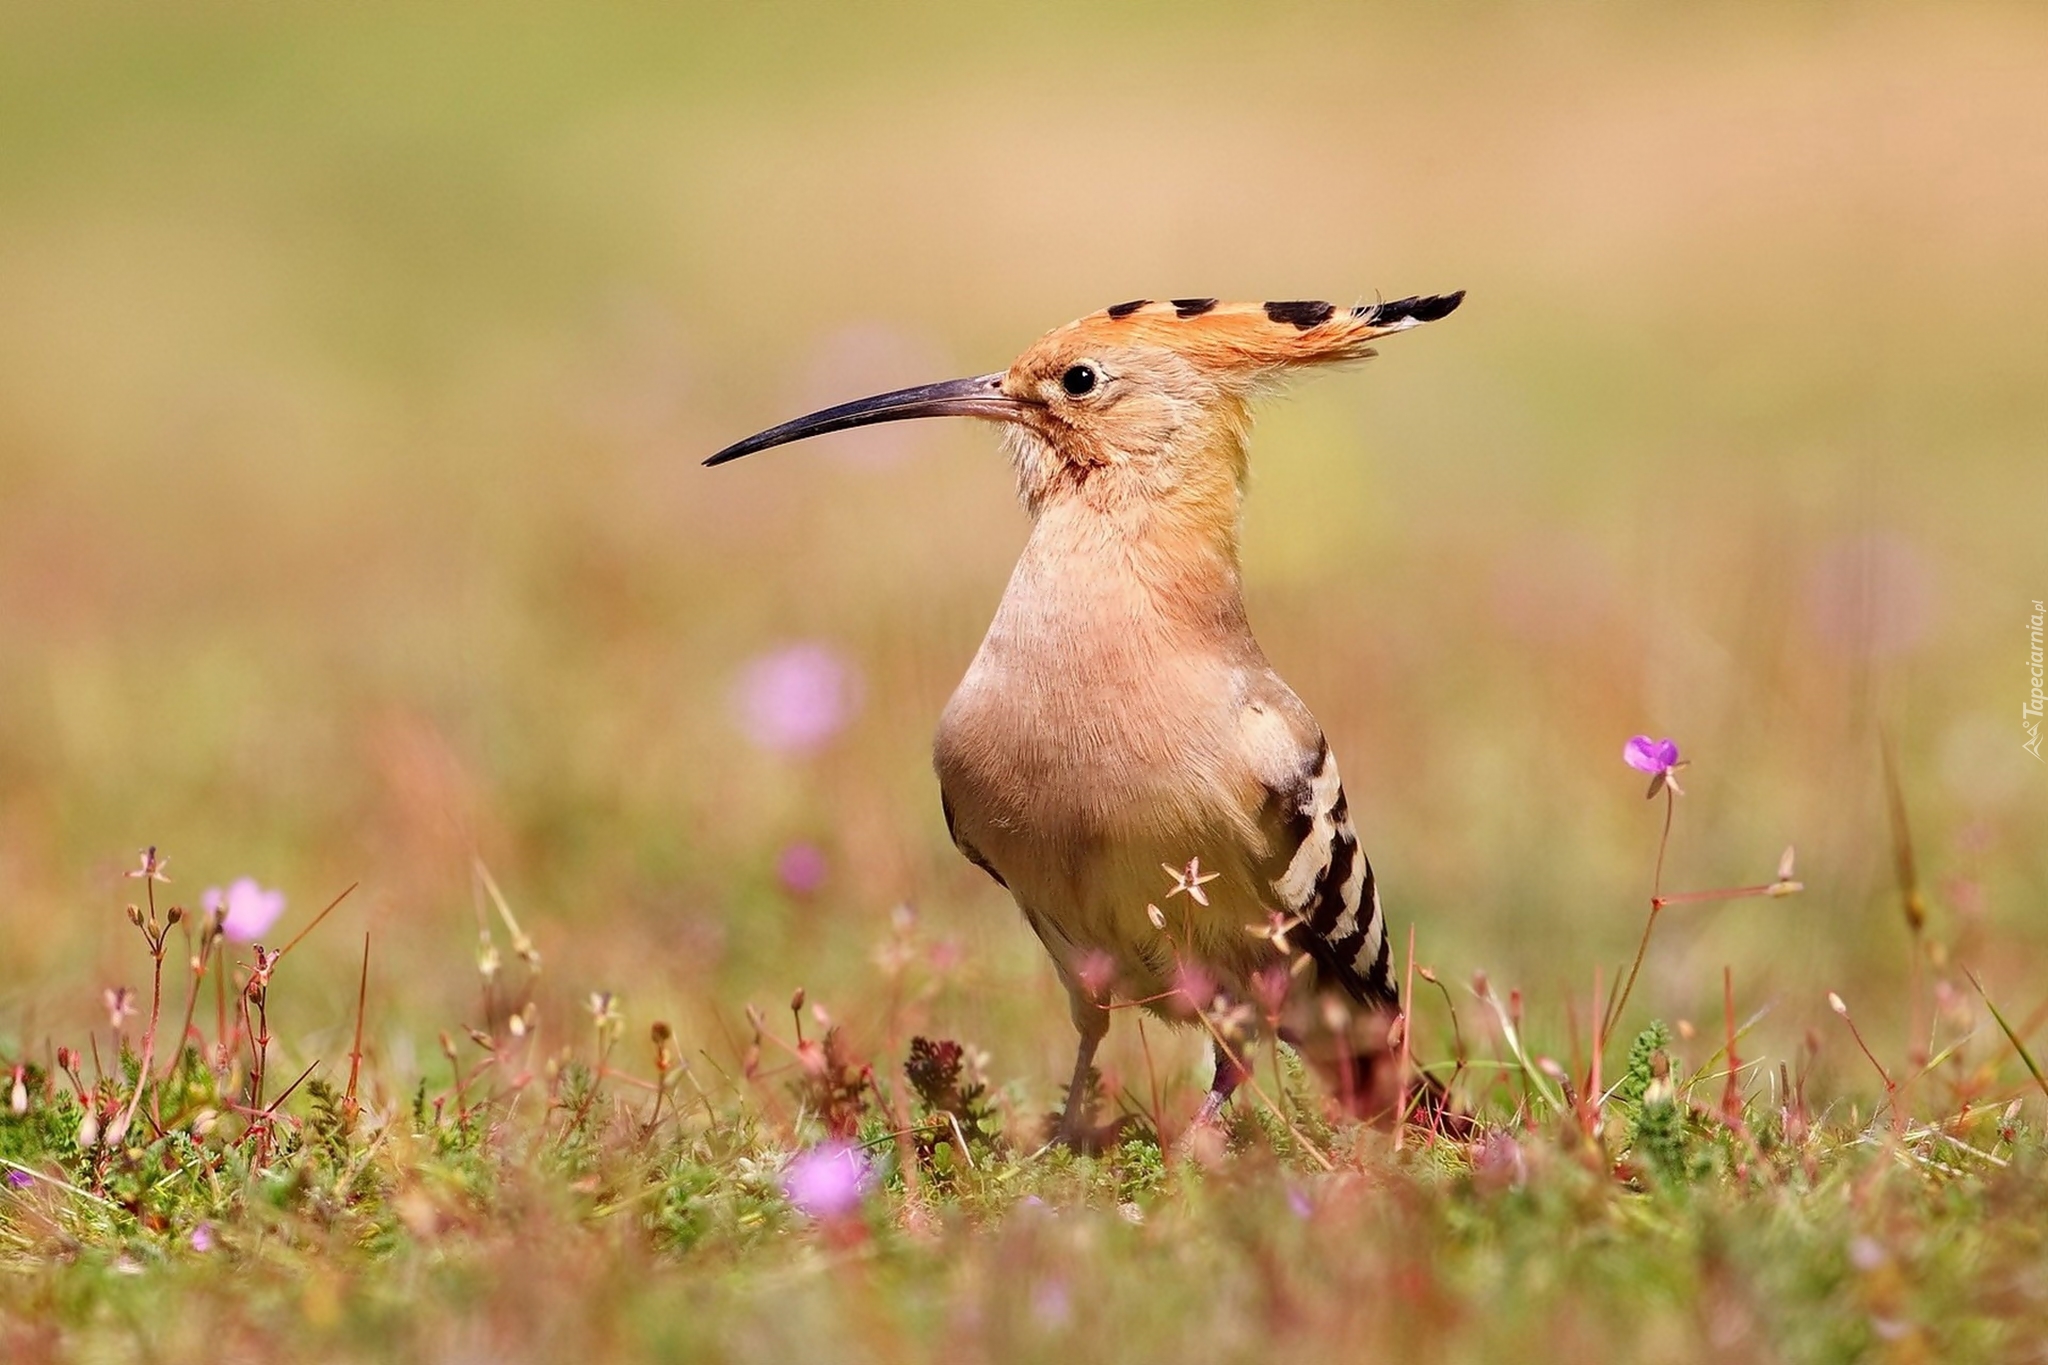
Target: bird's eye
{"type": "Point", "coordinates": [1079, 380]}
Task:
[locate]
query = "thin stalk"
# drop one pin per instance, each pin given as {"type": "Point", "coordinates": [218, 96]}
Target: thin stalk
{"type": "Point", "coordinates": [148, 1063]}
{"type": "Point", "coordinates": [206, 942]}
{"type": "Point", "coordinates": [1657, 903]}
{"type": "Point", "coordinates": [355, 1053]}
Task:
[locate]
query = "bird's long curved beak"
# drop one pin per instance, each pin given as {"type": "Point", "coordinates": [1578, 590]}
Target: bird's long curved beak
{"type": "Point", "coordinates": [981, 396]}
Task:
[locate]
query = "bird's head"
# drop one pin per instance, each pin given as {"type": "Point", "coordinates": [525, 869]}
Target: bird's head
{"type": "Point", "coordinates": [1146, 398]}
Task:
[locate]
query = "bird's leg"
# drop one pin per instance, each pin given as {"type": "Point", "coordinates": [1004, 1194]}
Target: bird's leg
{"type": "Point", "coordinates": [1350, 1048]}
{"type": "Point", "coordinates": [1232, 1069]}
{"type": "Point", "coordinates": [1091, 1021]}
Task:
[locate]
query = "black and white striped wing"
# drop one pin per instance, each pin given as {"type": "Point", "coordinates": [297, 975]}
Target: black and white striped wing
{"type": "Point", "coordinates": [1319, 875]}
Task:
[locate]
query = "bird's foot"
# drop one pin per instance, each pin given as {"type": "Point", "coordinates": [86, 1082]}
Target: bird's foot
{"type": "Point", "coordinates": [1204, 1139]}
{"type": "Point", "coordinates": [1430, 1108]}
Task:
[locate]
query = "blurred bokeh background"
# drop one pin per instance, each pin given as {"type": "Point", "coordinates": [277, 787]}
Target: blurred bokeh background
{"type": "Point", "coordinates": [356, 361]}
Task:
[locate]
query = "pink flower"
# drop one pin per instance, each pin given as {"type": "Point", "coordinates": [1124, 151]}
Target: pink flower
{"type": "Point", "coordinates": [1650, 756]}
{"type": "Point", "coordinates": [249, 909]}
{"type": "Point", "coordinates": [801, 869]}
{"type": "Point", "coordinates": [1052, 1303]}
{"type": "Point", "coordinates": [827, 1181]}
{"type": "Point", "coordinates": [202, 1238]}
{"type": "Point", "coordinates": [794, 699]}
{"type": "Point", "coordinates": [1657, 757]}
{"type": "Point", "coordinates": [1194, 989]}
{"type": "Point", "coordinates": [120, 1003]}
{"type": "Point", "coordinates": [1097, 971]}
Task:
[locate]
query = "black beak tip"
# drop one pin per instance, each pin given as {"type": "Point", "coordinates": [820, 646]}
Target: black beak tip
{"type": "Point", "coordinates": [979, 396]}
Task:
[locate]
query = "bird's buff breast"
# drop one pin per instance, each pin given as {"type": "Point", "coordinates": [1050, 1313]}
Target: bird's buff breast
{"type": "Point", "coordinates": [1076, 796]}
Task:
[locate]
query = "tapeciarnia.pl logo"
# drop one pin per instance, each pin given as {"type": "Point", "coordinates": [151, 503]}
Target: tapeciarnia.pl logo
{"type": "Point", "coordinates": [2030, 714]}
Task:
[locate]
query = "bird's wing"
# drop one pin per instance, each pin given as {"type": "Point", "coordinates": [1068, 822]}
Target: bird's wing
{"type": "Point", "coordinates": [967, 850]}
{"type": "Point", "coordinates": [1313, 866]}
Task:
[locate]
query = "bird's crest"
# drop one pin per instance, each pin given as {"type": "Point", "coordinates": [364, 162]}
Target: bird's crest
{"type": "Point", "coordinates": [1233, 345]}
{"type": "Point", "coordinates": [1254, 338]}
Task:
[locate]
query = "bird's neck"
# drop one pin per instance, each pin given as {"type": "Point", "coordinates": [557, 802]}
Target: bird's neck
{"type": "Point", "coordinates": [1146, 561]}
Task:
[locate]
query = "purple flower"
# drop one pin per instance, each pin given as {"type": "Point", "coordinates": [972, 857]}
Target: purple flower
{"type": "Point", "coordinates": [20, 1180]}
{"type": "Point", "coordinates": [1650, 755]}
{"type": "Point", "coordinates": [202, 1238]}
{"type": "Point", "coordinates": [827, 1181]}
{"type": "Point", "coordinates": [801, 869]}
{"type": "Point", "coordinates": [793, 699]}
{"type": "Point", "coordinates": [1052, 1303]}
{"type": "Point", "coordinates": [249, 909]}
{"type": "Point", "coordinates": [1657, 757]}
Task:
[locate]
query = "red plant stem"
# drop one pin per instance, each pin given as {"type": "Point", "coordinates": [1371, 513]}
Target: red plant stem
{"type": "Point", "coordinates": [604, 1054]}
{"type": "Point", "coordinates": [191, 1000]}
{"type": "Point", "coordinates": [1225, 1049]}
{"type": "Point", "coordinates": [1657, 903]}
{"type": "Point", "coordinates": [1731, 1098]}
{"type": "Point", "coordinates": [1724, 893]}
{"type": "Point", "coordinates": [220, 1017]}
{"type": "Point", "coordinates": [286, 1093]}
{"type": "Point", "coordinates": [355, 1053]}
{"type": "Point", "coordinates": [1253, 1081]}
{"type": "Point", "coordinates": [1628, 985]}
{"type": "Point", "coordinates": [1593, 1077]}
{"type": "Point", "coordinates": [259, 1041]}
{"type": "Point", "coordinates": [300, 936]}
{"type": "Point", "coordinates": [1891, 1087]}
{"type": "Point", "coordinates": [1664, 840]}
{"type": "Point", "coordinates": [148, 1064]}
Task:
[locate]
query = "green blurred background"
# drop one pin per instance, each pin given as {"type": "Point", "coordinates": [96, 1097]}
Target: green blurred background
{"type": "Point", "coordinates": [356, 361]}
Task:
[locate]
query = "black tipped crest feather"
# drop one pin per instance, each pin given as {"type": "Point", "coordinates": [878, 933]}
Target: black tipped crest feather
{"type": "Point", "coordinates": [1303, 313]}
{"type": "Point", "coordinates": [1415, 309]}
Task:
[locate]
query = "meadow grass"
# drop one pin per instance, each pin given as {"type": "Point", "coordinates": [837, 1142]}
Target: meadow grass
{"type": "Point", "coordinates": [570, 1188]}
{"type": "Point", "coordinates": [354, 367]}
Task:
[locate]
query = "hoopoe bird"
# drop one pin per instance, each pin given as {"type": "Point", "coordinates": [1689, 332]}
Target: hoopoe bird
{"type": "Point", "coordinates": [1120, 742]}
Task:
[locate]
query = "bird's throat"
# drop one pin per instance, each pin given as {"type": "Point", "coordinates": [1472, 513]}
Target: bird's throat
{"type": "Point", "coordinates": [1164, 573]}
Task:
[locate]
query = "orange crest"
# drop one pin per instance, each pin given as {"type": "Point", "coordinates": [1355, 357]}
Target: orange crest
{"type": "Point", "coordinates": [1251, 339]}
